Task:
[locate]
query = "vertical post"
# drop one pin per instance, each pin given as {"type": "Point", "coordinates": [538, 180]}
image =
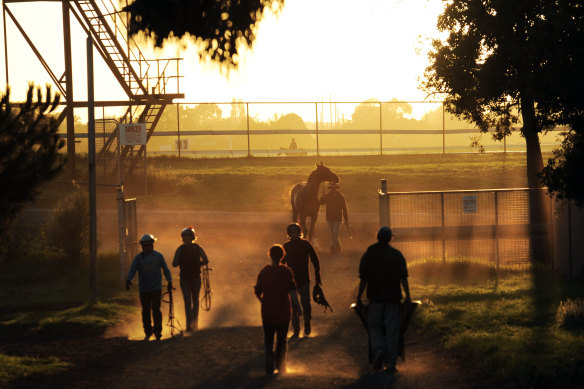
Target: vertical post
{"type": "Point", "coordinates": [178, 129]}
{"type": "Point", "coordinates": [316, 115]}
{"type": "Point", "coordinates": [570, 239]}
{"type": "Point", "coordinates": [380, 130]}
{"type": "Point", "coordinates": [92, 186]}
{"type": "Point", "coordinates": [247, 117]}
{"type": "Point", "coordinates": [383, 204]}
{"type": "Point", "coordinates": [443, 227]}
{"type": "Point", "coordinates": [443, 131]}
{"type": "Point", "coordinates": [121, 232]}
{"type": "Point", "coordinates": [69, 88]}
{"type": "Point", "coordinates": [496, 228]}
{"type": "Point", "coordinates": [145, 172]}
{"type": "Point", "coordinates": [5, 42]}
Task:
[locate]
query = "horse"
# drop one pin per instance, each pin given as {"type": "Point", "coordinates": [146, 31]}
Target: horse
{"type": "Point", "coordinates": [304, 198]}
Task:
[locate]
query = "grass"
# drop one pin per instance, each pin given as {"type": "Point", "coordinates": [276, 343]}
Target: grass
{"type": "Point", "coordinates": [16, 367]}
{"type": "Point", "coordinates": [505, 324]}
{"type": "Point", "coordinates": [263, 184]}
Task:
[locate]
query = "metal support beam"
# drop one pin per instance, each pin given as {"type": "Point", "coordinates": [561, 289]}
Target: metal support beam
{"type": "Point", "coordinates": [69, 89]}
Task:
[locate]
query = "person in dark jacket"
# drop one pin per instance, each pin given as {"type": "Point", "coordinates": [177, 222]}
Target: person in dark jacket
{"type": "Point", "coordinates": [190, 257]}
{"type": "Point", "coordinates": [384, 272]}
{"type": "Point", "coordinates": [275, 288]}
{"type": "Point", "coordinates": [336, 210]}
{"type": "Point", "coordinates": [148, 265]}
{"type": "Point", "coordinates": [299, 252]}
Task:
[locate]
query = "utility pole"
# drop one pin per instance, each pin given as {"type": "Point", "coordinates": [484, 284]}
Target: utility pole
{"type": "Point", "coordinates": [92, 183]}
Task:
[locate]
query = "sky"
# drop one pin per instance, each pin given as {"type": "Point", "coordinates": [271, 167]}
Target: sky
{"type": "Point", "coordinates": [314, 50]}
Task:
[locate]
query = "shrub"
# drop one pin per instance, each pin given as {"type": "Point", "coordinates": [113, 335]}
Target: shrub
{"type": "Point", "coordinates": [68, 229]}
{"type": "Point", "coordinates": [570, 314]}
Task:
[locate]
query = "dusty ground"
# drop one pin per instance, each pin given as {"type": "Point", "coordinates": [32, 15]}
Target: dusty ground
{"type": "Point", "coordinates": [227, 352]}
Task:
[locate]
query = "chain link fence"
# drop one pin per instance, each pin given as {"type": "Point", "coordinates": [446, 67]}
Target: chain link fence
{"type": "Point", "coordinates": [240, 129]}
{"type": "Point", "coordinates": [491, 226]}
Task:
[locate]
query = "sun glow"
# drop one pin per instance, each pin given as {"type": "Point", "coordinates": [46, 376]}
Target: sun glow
{"type": "Point", "coordinates": [313, 51]}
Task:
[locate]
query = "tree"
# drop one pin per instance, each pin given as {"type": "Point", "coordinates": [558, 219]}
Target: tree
{"type": "Point", "coordinates": [366, 114]}
{"type": "Point", "coordinates": [29, 150]}
{"type": "Point", "coordinates": [499, 66]}
{"type": "Point", "coordinates": [219, 24]}
{"type": "Point", "coordinates": [563, 174]}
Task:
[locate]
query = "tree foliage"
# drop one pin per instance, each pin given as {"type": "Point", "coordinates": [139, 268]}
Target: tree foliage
{"type": "Point", "coordinates": [508, 62]}
{"type": "Point", "coordinates": [220, 24]}
{"type": "Point", "coordinates": [29, 150]}
{"type": "Point", "coordinates": [564, 173]}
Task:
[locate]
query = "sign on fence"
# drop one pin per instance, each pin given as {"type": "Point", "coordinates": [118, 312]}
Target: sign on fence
{"type": "Point", "coordinates": [469, 204]}
{"type": "Point", "coordinates": [133, 134]}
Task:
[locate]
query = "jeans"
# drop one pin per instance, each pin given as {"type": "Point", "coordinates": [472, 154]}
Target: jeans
{"type": "Point", "coordinates": [191, 293]}
{"type": "Point", "coordinates": [280, 330]}
{"type": "Point", "coordinates": [335, 242]}
{"type": "Point", "coordinates": [304, 291]}
{"type": "Point", "coordinates": [150, 302]}
{"type": "Point", "coordinates": [384, 321]}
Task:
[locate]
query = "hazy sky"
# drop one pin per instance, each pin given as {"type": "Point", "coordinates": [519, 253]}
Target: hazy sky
{"type": "Point", "coordinates": [316, 49]}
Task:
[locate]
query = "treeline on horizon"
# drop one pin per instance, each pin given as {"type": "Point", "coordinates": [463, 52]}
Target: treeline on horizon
{"type": "Point", "coordinates": [394, 115]}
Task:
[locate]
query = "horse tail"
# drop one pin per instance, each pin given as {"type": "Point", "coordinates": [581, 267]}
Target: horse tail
{"type": "Point", "coordinates": [293, 194]}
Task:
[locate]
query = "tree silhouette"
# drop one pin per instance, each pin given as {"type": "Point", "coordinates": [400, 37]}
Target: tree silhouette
{"type": "Point", "coordinates": [29, 150]}
{"type": "Point", "coordinates": [506, 62]}
{"type": "Point", "coordinates": [219, 24]}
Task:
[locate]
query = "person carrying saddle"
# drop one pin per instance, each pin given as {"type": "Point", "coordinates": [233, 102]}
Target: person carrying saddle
{"type": "Point", "coordinates": [190, 257]}
{"type": "Point", "coordinates": [299, 252]}
{"type": "Point", "coordinates": [383, 270]}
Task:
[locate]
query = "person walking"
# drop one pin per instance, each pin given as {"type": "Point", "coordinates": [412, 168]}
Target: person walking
{"type": "Point", "coordinates": [336, 210]}
{"type": "Point", "coordinates": [299, 252]}
{"type": "Point", "coordinates": [148, 265]}
{"type": "Point", "coordinates": [276, 289]}
{"type": "Point", "coordinates": [383, 270]}
{"type": "Point", "coordinates": [190, 257]}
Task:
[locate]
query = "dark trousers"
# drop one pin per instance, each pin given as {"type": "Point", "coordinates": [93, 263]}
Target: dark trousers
{"type": "Point", "coordinates": [280, 330]}
{"type": "Point", "coordinates": [304, 292]}
{"type": "Point", "coordinates": [191, 291]}
{"type": "Point", "coordinates": [151, 303]}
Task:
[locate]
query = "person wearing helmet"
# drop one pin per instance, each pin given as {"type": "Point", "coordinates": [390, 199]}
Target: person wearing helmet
{"type": "Point", "coordinates": [336, 210]}
{"type": "Point", "coordinates": [190, 257]}
{"type": "Point", "coordinates": [383, 270]}
{"type": "Point", "coordinates": [148, 265]}
{"type": "Point", "coordinates": [275, 288]}
{"type": "Point", "coordinates": [299, 252]}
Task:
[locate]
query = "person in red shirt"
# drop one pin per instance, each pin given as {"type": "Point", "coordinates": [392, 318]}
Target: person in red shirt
{"type": "Point", "coordinates": [275, 288]}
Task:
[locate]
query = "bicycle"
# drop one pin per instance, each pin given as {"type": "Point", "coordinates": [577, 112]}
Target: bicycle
{"type": "Point", "coordinates": [206, 299]}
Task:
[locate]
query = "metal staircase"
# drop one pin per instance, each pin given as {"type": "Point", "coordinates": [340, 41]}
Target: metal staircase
{"type": "Point", "coordinates": [146, 86]}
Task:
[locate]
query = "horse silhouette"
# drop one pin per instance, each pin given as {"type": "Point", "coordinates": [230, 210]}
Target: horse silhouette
{"type": "Point", "coordinates": [304, 198]}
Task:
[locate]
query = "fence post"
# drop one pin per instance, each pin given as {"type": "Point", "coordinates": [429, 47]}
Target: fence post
{"type": "Point", "coordinates": [443, 227]}
{"type": "Point", "coordinates": [316, 121]}
{"type": "Point", "coordinates": [443, 131]}
{"type": "Point", "coordinates": [380, 131]}
{"type": "Point", "coordinates": [247, 117]}
{"type": "Point", "coordinates": [496, 228]}
{"type": "Point", "coordinates": [122, 232]}
{"type": "Point", "coordinates": [383, 204]}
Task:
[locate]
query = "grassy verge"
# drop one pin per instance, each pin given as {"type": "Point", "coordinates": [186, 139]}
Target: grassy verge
{"type": "Point", "coordinates": [264, 183]}
{"type": "Point", "coordinates": [46, 300]}
{"type": "Point", "coordinates": [507, 325]}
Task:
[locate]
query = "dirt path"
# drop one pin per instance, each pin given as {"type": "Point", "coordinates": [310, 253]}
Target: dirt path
{"type": "Point", "coordinates": [228, 350]}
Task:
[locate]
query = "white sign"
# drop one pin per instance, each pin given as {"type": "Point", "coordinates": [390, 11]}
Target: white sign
{"type": "Point", "coordinates": [133, 134]}
{"type": "Point", "coordinates": [469, 204]}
